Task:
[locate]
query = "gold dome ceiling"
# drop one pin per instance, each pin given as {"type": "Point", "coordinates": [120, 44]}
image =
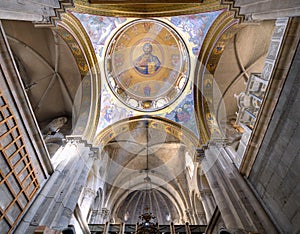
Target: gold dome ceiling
{"type": "Point", "coordinates": [138, 69]}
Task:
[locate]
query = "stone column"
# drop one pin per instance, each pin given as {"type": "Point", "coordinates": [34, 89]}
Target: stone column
{"type": "Point", "coordinates": [200, 212]}
{"type": "Point", "coordinates": [122, 228]}
{"type": "Point", "coordinates": [104, 217]}
{"type": "Point", "coordinates": [187, 228]}
{"type": "Point", "coordinates": [96, 217]}
{"type": "Point", "coordinates": [211, 201]}
{"type": "Point", "coordinates": [201, 218]}
{"type": "Point", "coordinates": [239, 207]}
{"type": "Point", "coordinates": [208, 199]}
{"type": "Point", "coordinates": [207, 208]}
{"type": "Point", "coordinates": [189, 215]}
{"type": "Point", "coordinates": [89, 195]}
{"type": "Point", "coordinates": [55, 204]}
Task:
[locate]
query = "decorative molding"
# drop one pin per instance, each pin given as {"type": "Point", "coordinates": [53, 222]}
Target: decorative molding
{"type": "Point", "coordinates": [147, 10]}
{"type": "Point", "coordinates": [78, 139]}
{"type": "Point", "coordinates": [234, 9]}
{"type": "Point", "coordinates": [158, 9]}
{"type": "Point", "coordinates": [75, 49]}
{"type": "Point", "coordinates": [181, 133]}
{"type": "Point", "coordinates": [91, 80]}
{"type": "Point", "coordinates": [276, 76]}
{"type": "Point", "coordinates": [50, 21]}
{"type": "Point", "coordinates": [224, 27]}
{"type": "Point", "coordinates": [199, 155]}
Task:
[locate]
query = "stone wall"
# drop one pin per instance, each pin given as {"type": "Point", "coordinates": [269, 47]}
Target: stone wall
{"type": "Point", "coordinates": [268, 9]}
{"type": "Point", "coordinates": [275, 174]}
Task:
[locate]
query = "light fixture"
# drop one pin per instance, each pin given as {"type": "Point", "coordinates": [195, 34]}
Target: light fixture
{"type": "Point", "coordinates": [147, 223]}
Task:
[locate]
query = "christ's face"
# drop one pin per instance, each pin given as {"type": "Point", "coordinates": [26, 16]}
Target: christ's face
{"type": "Point", "coordinates": [147, 48]}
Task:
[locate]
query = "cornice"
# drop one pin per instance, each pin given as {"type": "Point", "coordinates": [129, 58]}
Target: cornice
{"type": "Point", "coordinates": [51, 21]}
{"type": "Point", "coordinates": [144, 10]}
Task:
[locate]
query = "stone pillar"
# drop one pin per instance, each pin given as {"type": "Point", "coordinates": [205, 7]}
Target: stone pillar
{"type": "Point", "coordinates": [122, 228]}
{"type": "Point", "coordinates": [96, 217]}
{"type": "Point", "coordinates": [187, 228]}
{"type": "Point", "coordinates": [239, 207]}
{"type": "Point", "coordinates": [208, 199]}
{"type": "Point", "coordinates": [104, 217]}
{"type": "Point", "coordinates": [211, 201]}
{"type": "Point", "coordinates": [207, 208]}
{"type": "Point", "coordinates": [106, 228]}
{"type": "Point", "coordinates": [89, 195]}
{"type": "Point", "coordinates": [55, 204]}
{"type": "Point", "coordinates": [201, 218]}
{"type": "Point", "coordinates": [200, 212]}
{"type": "Point", "coordinates": [189, 215]}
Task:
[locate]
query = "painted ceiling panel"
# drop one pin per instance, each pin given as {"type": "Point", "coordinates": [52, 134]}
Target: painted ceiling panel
{"type": "Point", "coordinates": [191, 28]}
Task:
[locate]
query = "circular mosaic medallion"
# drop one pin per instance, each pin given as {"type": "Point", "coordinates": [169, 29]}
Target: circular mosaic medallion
{"type": "Point", "coordinates": [147, 65]}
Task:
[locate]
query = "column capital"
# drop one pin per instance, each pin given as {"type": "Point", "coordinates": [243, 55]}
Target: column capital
{"type": "Point", "coordinates": [105, 211]}
{"type": "Point", "coordinates": [105, 214]}
{"type": "Point", "coordinates": [205, 192]}
{"type": "Point", "coordinates": [202, 216]}
{"type": "Point", "coordinates": [76, 139]}
{"type": "Point", "coordinates": [87, 191]}
{"type": "Point", "coordinates": [199, 154]}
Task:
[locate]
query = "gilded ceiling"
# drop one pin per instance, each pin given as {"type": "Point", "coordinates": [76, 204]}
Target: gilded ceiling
{"type": "Point", "coordinates": [147, 65]}
{"type": "Point", "coordinates": [165, 86]}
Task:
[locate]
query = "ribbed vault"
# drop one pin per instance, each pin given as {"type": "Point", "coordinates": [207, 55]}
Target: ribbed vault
{"type": "Point", "coordinates": [130, 157]}
{"type": "Point", "coordinates": [137, 201]}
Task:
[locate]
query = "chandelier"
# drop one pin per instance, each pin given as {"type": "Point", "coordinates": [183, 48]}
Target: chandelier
{"type": "Point", "coordinates": [147, 223]}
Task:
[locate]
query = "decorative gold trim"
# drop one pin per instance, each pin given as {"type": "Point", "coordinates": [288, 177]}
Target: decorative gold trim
{"type": "Point", "coordinates": [75, 48]}
{"type": "Point", "coordinates": [142, 10]}
{"type": "Point", "coordinates": [232, 8]}
{"type": "Point", "coordinates": [204, 113]}
{"type": "Point", "coordinates": [178, 131]}
{"type": "Point", "coordinates": [92, 78]}
{"type": "Point", "coordinates": [75, 28]}
{"type": "Point", "coordinates": [120, 2]}
{"type": "Point", "coordinates": [146, 10]}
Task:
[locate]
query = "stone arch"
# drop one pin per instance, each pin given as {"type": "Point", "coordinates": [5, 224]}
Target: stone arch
{"type": "Point", "coordinates": [86, 104]}
{"type": "Point", "coordinates": [180, 132]}
{"type": "Point", "coordinates": [204, 82]}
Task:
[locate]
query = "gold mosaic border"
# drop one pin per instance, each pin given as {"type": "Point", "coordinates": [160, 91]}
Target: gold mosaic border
{"type": "Point", "coordinates": [183, 134]}
{"type": "Point", "coordinates": [208, 59]}
{"type": "Point", "coordinates": [76, 34]}
{"type": "Point", "coordinates": [155, 9]}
